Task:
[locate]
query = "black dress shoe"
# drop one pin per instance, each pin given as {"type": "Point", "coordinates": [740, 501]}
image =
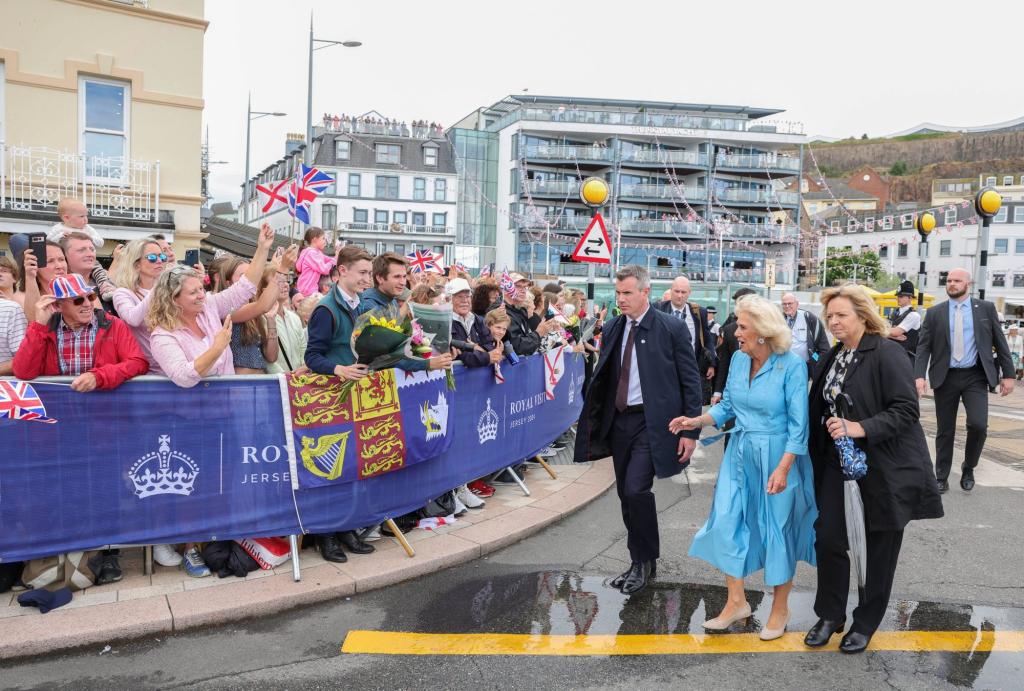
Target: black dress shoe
{"type": "Point", "coordinates": [819, 634]}
{"type": "Point", "coordinates": [638, 577]}
{"type": "Point", "coordinates": [943, 486]}
{"type": "Point", "coordinates": [353, 543]}
{"type": "Point", "coordinates": [620, 579]}
{"type": "Point", "coordinates": [330, 548]}
{"type": "Point", "coordinates": [110, 570]}
{"type": "Point", "coordinates": [967, 479]}
{"type": "Point", "coordinates": [854, 642]}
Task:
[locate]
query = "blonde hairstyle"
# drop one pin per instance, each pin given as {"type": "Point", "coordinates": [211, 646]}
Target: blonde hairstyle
{"type": "Point", "coordinates": [127, 274]}
{"type": "Point", "coordinates": [65, 204]}
{"type": "Point", "coordinates": [767, 321]}
{"type": "Point", "coordinates": [424, 294]}
{"type": "Point", "coordinates": [306, 307]}
{"type": "Point", "coordinates": [497, 317]}
{"type": "Point", "coordinates": [863, 306]}
{"type": "Point", "coordinates": [70, 235]}
{"type": "Point", "coordinates": [9, 264]}
{"type": "Point", "coordinates": [163, 311]}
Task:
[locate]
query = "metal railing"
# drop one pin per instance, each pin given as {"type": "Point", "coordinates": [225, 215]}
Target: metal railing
{"type": "Point", "coordinates": [399, 129]}
{"type": "Point", "coordinates": [35, 178]}
{"type": "Point", "coordinates": [768, 161]}
{"type": "Point", "coordinates": [660, 156]}
{"type": "Point", "coordinates": [396, 228]}
{"type": "Point", "coordinates": [641, 119]}
{"type": "Point", "coordinates": [561, 152]}
{"type": "Point", "coordinates": [690, 193]}
{"type": "Point", "coordinates": [662, 227]}
{"type": "Point", "coordinates": [562, 188]}
{"type": "Point", "coordinates": [767, 197]}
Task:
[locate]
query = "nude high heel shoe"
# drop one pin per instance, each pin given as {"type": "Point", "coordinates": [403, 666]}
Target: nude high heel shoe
{"type": "Point", "coordinates": [771, 634]}
{"type": "Point", "coordinates": [723, 623]}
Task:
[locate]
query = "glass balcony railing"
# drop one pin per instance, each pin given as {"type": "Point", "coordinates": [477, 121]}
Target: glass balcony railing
{"type": "Point", "coordinates": [639, 118]}
{"type": "Point", "coordinates": [686, 158]}
{"type": "Point", "coordinates": [768, 161]}
{"type": "Point", "coordinates": [669, 192]}
{"type": "Point", "coordinates": [396, 228]}
{"type": "Point", "coordinates": [560, 188]}
{"type": "Point", "coordinates": [766, 197]}
{"type": "Point", "coordinates": [662, 227]}
{"type": "Point", "coordinates": [557, 152]}
{"type": "Point", "coordinates": [760, 231]}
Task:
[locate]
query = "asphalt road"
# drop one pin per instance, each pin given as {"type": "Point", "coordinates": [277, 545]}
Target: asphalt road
{"type": "Point", "coordinates": [960, 573]}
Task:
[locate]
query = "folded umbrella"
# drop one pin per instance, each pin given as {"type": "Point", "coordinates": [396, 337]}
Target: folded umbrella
{"type": "Point", "coordinates": [853, 462]}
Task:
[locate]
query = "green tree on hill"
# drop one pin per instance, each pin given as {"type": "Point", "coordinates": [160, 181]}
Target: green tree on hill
{"type": "Point", "coordinates": [898, 168]}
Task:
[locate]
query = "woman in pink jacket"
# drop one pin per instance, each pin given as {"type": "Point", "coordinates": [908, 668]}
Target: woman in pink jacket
{"type": "Point", "coordinates": [313, 263]}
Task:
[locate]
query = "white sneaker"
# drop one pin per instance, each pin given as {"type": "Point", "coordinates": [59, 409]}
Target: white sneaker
{"type": "Point", "coordinates": [371, 534]}
{"type": "Point", "coordinates": [547, 452]}
{"type": "Point", "coordinates": [460, 508]}
{"type": "Point", "coordinates": [470, 500]}
{"type": "Point", "coordinates": [165, 555]}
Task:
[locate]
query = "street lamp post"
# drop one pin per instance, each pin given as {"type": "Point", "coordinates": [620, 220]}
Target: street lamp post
{"type": "Point", "coordinates": [925, 225]}
{"type": "Point", "coordinates": [986, 203]}
{"type": "Point", "coordinates": [250, 116]}
{"type": "Point", "coordinates": [309, 84]}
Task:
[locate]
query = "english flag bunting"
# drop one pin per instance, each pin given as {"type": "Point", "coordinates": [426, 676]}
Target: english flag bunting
{"type": "Point", "coordinates": [308, 184]}
{"type": "Point", "coordinates": [273, 196]}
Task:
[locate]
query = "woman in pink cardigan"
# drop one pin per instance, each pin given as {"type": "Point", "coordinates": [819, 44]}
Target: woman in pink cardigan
{"type": "Point", "coordinates": [142, 262]}
{"type": "Point", "coordinates": [191, 329]}
{"type": "Point", "coordinates": [313, 263]}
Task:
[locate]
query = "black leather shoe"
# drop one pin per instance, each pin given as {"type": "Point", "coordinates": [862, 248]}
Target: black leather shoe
{"type": "Point", "coordinates": [330, 548]}
{"type": "Point", "coordinates": [638, 577]}
{"type": "Point", "coordinates": [620, 579]}
{"type": "Point", "coordinates": [110, 570]}
{"type": "Point", "coordinates": [967, 479]}
{"type": "Point", "coordinates": [943, 486]}
{"type": "Point", "coordinates": [353, 544]}
{"type": "Point", "coordinates": [819, 634]}
{"type": "Point", "coordinates": [854, 642]}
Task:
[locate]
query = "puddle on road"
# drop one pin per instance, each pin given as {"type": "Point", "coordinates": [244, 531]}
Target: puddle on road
{"type": "Point", "coordinates": [567, 603]}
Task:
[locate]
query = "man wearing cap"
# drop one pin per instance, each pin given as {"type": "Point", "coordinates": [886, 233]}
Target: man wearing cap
{"type": "Point", "coordinates": [714, 327]}
{"type": "Point", "coordinates": [906, 321]}
{"type": "Point", "coordinates": [71, 337]}
{"type": "Point", "coordinates": [470, 329]}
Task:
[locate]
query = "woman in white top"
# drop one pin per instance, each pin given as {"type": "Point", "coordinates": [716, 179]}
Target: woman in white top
{"type": "Point", "coordinates": [1016, 344]}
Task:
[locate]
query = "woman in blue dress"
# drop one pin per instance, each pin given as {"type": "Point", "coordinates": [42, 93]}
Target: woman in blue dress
{"type": "Point", "coordinates": [763, 512]}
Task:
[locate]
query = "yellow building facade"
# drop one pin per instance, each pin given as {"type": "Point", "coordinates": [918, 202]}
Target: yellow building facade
{"type": "Point", "coordinates": [102, 100]}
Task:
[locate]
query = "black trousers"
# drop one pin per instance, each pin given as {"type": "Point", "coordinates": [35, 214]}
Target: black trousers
{"type": "Point", "coordinates": [634, 478]}
{"type": "Point", "coordinates": [971, 387]}
{"type": "Point", "coordinates": [883, 551]}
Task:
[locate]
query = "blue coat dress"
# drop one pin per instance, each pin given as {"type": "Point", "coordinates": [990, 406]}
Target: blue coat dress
{"type": "Point", "coordinates": [748, 529]}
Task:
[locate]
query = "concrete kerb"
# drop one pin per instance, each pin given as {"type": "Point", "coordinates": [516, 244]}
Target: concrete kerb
{"type": "Point", "coordinates": [76, 627]}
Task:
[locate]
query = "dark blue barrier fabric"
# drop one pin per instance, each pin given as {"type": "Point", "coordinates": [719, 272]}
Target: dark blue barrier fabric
{"type": "Point", "coordinates": [153, 463]}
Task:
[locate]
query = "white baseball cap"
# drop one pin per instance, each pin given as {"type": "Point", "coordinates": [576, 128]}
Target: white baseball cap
{"type": "Point", "coordinates": [457, 285]}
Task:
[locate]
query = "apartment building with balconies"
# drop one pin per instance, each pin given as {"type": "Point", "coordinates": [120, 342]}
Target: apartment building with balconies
{"type": "Point", "coordinates": [90, 109]}
{"type": "Point", "coordinates": [695, 188]}
{"type": "Point", "coordinates": [395, 190]}
{"type": "Point", "coordinates": [1010, 185]}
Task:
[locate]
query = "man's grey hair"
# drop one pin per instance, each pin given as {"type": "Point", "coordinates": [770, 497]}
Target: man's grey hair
{"type": "Point", "coordinates": [643, 279]}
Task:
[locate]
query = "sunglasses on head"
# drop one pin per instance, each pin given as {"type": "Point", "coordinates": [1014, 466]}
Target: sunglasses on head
{"type": "Point", "coordinates": [154, 258]}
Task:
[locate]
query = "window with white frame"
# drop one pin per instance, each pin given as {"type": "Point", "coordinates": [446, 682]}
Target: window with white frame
{"type": "Point", "coordinates": [387, 187]}
{"type": "Point", "coordinates": [1000, 217]}
{"type": "Point", "coordinates": [990, 181]}
{"type": "Point", "coordinates": [1018, 214]}
{"type": "Point", "coordinates": [359, 218]}
{"type": "Point", "coordinates": [104, 116]}
{"type": "Point", "coordinates": [999, 280]}
{"type": "Point", "coordinates": [400, 217]}
{"type": "Point", "coordinates": [907, 221]}
{"type": "Point", "coordinates": [950, 217]}
{"type": "Point", "coordinates": [851, 225]}
{"type": "Point", "coordinates": [419, 219]}
{"type": "Point", "coordinates": [389, 153]}
{"type": "Point", "coordinates": [380, 216]}
{"type": "Point", "coordinates": [419, 189]}
{"type": "Point", "coordinates": [835, 225]}
{"type": "Point", "coordinates": [440, 189]}
{"type": "Point", "coordinates": [328, 216]}
{"type": "Point", "coordinates": [1007, 179]}
{"type": "Point", "coordinates": [1018, 246]}
{"type": "Point", "coordinates": [1001, 246]}
{"type": "Point", "coordinates": [430, 155]}
{"type": "Point", "coordinates": [440, 220]}
{"type": "Point", "coordinates": [869, 223]}
{"type": "Point", "coordinates": [1018, 280]}
{"type": "Point", "coordinates": [902, 252]}
{"type": "Point", "coordinates": [355, 184]}
{"type": "Point", "coordinates": [887, 223]}
{"type": "Point", "coordinates": [945, 248]}
{"type": "Point", "coordinates": [943, 277]}
{"type": "Point", "coordinates": [342, 149]}
{"type": "Point", "coordinates": [883, 251]}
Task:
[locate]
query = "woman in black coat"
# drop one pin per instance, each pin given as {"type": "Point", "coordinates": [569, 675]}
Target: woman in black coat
{"type": "Point", "coordinates": [872, 376]}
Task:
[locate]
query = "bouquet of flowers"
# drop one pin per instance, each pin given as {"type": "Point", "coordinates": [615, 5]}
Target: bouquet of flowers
{"type": "Point", "coordinates": [381, 339]}
{"type": "Point", "coordinates": [432, 334]}
{"type": "Point", "coordinates": [574, 329]}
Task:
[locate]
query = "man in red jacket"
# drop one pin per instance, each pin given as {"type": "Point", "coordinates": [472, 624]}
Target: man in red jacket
{"type": "Point", "coordinates": [71, 337]}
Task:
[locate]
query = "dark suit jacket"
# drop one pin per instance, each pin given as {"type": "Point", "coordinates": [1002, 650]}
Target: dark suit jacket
{"type": "Point", "coordinates": [479, 335]}
{"type": "Point", "coordinates": [900, 484]}
{"type": "Point", "coordinates": [669, 381]}
{"type": "Point", "coordinates": [726, 349]}
{"type": "Point", "coordinates": [705, 341]}
{"type": "Point", "coordinates": [934, 344]}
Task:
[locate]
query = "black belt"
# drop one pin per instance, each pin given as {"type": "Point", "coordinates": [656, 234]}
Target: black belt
{"type": "Point", "coordinates": [639, 408]}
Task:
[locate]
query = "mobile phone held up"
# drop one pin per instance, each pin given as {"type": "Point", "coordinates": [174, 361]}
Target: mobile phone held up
{"type": "Point", "coordinates": [191, 257]}
{"type": "Point", "coordinates": [37, 246]}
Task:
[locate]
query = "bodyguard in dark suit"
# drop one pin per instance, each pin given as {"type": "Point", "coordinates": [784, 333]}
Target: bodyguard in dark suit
{"type": "Point", "coordinates": [695, 318]}
{"type": "Point", "coordinates": [646, 375]}
{"type": "Point", "coordinates": [955, 351]}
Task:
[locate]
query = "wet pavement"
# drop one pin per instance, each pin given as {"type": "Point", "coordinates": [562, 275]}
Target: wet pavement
{"type": "Point", "coordinates": [955, 621]}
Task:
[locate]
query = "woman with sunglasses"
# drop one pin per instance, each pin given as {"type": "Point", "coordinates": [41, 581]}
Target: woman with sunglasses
{"type": "Point", "coordinates": [142, 262]}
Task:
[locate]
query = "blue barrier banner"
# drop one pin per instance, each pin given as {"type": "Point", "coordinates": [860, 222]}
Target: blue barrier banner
{"type": "Point", "coordinates": [151, 463]}
{"type": "Point", "coordinates": [389, 421]}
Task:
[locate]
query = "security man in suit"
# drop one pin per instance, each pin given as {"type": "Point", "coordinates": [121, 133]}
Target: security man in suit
{"type": "Point", "coordinates": [645, 376]}
{"type": "Point", "coordinates": [955, 351]}
{"type": "Point", "coordinates": [695, 318]}
{"type": "Point", "coordinates": [905, 321]}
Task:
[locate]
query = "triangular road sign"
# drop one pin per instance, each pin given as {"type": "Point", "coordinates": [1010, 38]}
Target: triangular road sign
{"type": "Point", "coordinates": [594, 246]}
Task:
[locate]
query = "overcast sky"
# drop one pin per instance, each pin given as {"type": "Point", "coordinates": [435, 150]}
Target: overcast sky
{"type": "Point", "coordinates": [841, 68]}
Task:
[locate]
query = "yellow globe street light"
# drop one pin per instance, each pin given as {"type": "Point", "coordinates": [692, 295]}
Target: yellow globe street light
{"type": "Point", "coordinates": [925, 224]}
{"type": "Point", "coordinates": [987, 204]}
{"type": "Point", "coordinates": [594, 192]}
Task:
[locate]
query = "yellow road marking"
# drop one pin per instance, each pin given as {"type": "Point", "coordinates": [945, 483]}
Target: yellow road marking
{"type": "Point", "coordinates": [399, 643]}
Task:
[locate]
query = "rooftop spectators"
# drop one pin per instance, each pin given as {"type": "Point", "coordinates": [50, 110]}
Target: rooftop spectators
{"type": "Point", "coordinates": [420, 129]}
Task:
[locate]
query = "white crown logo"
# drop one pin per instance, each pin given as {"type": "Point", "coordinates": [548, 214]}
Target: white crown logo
{"type": "Point", "coordinates": [487, 428]}
{"type": "Point", "coordinates": [163, 472]}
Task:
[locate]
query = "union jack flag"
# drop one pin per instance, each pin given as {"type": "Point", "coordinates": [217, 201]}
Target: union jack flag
{"type": "Point", "coordinates": [308, 184]}
{"type": "Point", "coordinates": [461, 268]}
{"type": "Point", "coordinates": [422, 260]}
{"type": "Point", "coordinates": [19, 401]}
{"type": "Point", "coordinates": [273, 196]}
{"type": "Point", "coordinates": [507, 285]}
{"type": "Point", "coordinates": [485, 272]}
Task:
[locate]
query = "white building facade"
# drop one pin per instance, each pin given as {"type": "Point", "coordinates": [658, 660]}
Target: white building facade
{"type": "Point", "coordinates": [392, 193]}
